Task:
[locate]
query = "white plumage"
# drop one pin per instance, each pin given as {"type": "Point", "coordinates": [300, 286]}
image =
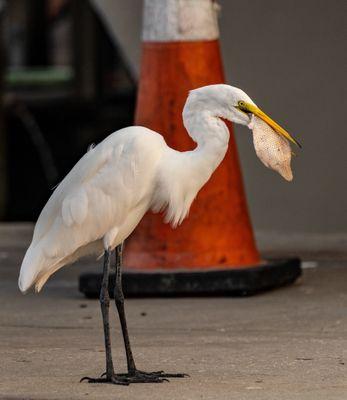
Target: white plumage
{"type": "Point", "coordinates": [105, 195]}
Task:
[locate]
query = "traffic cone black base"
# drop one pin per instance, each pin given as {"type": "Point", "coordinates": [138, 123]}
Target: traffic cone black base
{"type": "Point", "coordinates": [238, 282]}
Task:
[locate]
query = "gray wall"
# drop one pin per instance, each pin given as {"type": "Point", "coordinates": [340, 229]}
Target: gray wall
{"type": "Point", "coordinates": [290, 57]}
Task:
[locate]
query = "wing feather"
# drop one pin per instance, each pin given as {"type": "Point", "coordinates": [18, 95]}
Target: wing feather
{"type": "Point", "coordinates": [102, 189]}
{"type": "Point", "coordinates": [75, 208]}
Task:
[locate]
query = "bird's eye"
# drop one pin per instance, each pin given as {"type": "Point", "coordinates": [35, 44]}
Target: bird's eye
{"type": "Point", "coordinates": [242, 106]}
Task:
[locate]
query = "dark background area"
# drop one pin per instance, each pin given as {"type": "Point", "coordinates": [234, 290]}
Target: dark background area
{"type": "Point", "coordinates": [65, 87]}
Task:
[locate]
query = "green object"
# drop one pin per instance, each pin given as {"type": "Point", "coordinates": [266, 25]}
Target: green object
{"type": "Point", "coordinates": [39, 76]}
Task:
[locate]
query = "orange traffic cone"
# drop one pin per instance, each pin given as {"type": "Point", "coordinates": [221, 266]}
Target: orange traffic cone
{"type": "Point", "coordinates": [214, 249]}
{"type": "Point", "coordinates": [181, 52]}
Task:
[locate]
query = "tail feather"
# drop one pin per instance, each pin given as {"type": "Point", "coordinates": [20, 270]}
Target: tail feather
{"type": "Point", "coordinates": [37, 267]}
{"type": "Point", "coordinates": [44, 275]}
{"type": "Point", "coordinates": [32, 265]}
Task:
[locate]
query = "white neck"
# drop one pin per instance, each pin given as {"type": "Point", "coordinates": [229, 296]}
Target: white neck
{"type": "Point", "coordinates": [211, 134]}
{"type": "Point", "coordinates": [190, 170]}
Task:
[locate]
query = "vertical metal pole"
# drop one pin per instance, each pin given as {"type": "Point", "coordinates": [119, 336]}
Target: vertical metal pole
{"type": "Point", "coordinates": [85, 51]}
{"type": "Point", "coordinates": [36, 30]}
{"type": "Point", "coordinates": [3, 175]}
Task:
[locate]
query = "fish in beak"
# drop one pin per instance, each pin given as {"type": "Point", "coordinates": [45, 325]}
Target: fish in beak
{"type": "Point", "coordinates": [272, 149]}
{"type": "Point", "coordinates": [271, 141]}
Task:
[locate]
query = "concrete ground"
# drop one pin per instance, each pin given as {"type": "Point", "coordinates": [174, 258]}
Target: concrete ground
{"type": "Point", "coordinates": [286, 344]}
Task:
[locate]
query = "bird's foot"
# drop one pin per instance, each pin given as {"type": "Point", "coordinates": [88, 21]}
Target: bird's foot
{"type": "Point", "coordinates": [113, 379]}
{"type": "Point", "coordinates": [157, 376]}
{"type": "Point", "coordinates": [134, 377]}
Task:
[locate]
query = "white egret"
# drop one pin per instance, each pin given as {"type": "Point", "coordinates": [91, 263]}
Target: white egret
{"type": "Point", "coordinates": [105, 195]}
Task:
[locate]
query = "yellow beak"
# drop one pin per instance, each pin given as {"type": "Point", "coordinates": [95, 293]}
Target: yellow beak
{"type": "Point", "coordinates": [250, 108]}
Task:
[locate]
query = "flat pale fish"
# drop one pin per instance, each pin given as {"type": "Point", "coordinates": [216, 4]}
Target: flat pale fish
{"type": "Point", "coordinates": [272, 149]}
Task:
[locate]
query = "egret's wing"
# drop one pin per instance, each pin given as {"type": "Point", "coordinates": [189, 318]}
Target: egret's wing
{"type": "Point", "coordinates": [107, 186]}
{"type": "Point", "coordinates": [75, 207]}
{"type": "Point", "coordinates": [112, 182]}
{"type": "Point", "coordinates": [69, 191]}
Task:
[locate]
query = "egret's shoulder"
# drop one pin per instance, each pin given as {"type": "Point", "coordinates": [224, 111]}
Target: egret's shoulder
{"type": "Point", "coordinates": [131, 133]}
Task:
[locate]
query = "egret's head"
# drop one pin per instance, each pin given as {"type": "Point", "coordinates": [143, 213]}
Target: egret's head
{"type": "Point", "coordinates": [218, 100]}
{"type": "Point", "coordinates": [230, 103]}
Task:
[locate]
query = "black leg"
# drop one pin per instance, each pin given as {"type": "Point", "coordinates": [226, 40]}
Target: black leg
{"type": "Point", "coordinates": [105, 304]}
{"type": "Point", "coordinates": [133, 375]}
{"type": "Point", "coordinates": [119, 300]}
